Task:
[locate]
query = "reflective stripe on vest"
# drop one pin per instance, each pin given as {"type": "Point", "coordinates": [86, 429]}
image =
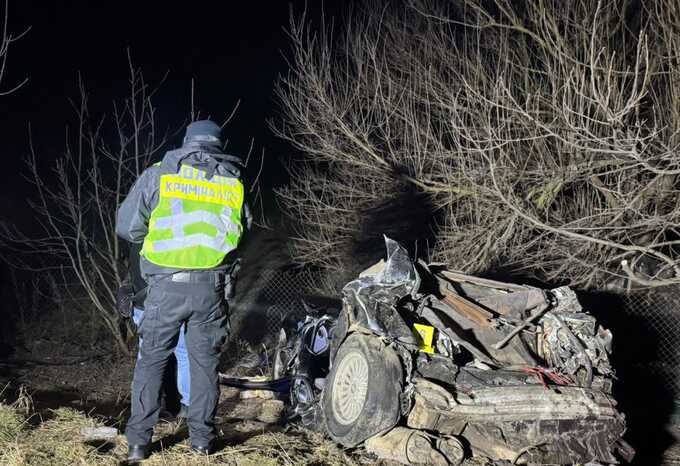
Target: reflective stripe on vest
{"type": "Point", "coordinates": [197, 221]}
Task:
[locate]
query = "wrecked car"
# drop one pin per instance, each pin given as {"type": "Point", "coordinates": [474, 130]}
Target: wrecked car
{"type": "Point", "coordinates": [427, 366]}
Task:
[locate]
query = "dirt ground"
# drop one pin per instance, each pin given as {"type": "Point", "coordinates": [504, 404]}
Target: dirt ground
{"type": "Point", "coordinates": [55, 402]}
{"type": "Point", "coordinates": [73, 381]}
{"type": "Point", "coordinates": [61, 400]}
{"type": "Point", "coordinates": [67, 376]}
{"type": "Point", "coordinates": [252, 430]}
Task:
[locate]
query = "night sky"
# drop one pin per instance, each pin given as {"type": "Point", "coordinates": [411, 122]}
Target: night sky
{"type": "Point", "coordinates": [233, 50]}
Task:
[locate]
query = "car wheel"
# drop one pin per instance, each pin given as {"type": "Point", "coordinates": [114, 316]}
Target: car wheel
{"type": "Point", "coordinates": [362, 393]}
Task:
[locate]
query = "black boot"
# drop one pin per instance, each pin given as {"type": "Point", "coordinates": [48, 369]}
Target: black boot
{"type": "Point", "coordinates": [137, 453]}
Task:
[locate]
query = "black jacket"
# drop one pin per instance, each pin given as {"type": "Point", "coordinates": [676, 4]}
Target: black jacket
{"type": "Point", "coordinates": [132, 220]}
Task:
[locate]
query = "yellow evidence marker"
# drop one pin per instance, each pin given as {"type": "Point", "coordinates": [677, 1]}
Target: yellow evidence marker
{"type": "Point", "coordinates": [425, 334]}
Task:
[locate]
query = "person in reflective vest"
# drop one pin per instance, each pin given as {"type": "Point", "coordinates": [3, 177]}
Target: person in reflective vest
{"type": "Point", "coordinates": [189, 213]}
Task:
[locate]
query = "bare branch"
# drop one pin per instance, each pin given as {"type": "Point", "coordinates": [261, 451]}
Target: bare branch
{"type": "Point", "coordinates": [6, 40]}
{"type": "Point", "coordinates": [547, 136]}
{"type": "Point", "coordinates": [77, 202]}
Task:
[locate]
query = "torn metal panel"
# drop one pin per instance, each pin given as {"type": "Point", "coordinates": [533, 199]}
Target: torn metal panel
{"type": "Point", "coordinates": [409, 446]}
{"type": "Point", "coordinates": [369, 300]}
{"type": "Point", "coordinates": [466, 308]}
{"type": "Point", "coordinates": [517, 373]}
{"type": "Point", "coordinates": [572, 425]}
{"type": "Point", "coordinates": [396, 279]}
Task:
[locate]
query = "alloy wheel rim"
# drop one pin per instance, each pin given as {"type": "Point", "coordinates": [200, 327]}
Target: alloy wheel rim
{"type": "Point", "coordinates": [350, 388]}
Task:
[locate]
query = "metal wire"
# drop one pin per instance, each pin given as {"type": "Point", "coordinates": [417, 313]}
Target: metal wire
{"type": "Point", "coordinates": [282, 293]}
{"type": "Point", "coordinates": [659, 313]}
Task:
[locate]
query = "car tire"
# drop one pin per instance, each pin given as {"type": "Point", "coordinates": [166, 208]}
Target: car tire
{"type": "Point", "coordinates": [362, 393]}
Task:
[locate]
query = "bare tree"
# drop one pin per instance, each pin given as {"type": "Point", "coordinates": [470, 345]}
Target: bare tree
{"type": "Point", "coordinates": [545, 134]}
{"type": "Point", "coordinates": [6, 40]}
{"type": "Point", "coordinates": [77, 202]}
{"type": "Point", "coordinates": [76, 249]}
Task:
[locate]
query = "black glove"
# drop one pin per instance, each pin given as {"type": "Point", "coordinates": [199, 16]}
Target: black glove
{"type": "Point", "coordinates": [230, 280]}
{"type": "Point", "coordinates": [124, 300]}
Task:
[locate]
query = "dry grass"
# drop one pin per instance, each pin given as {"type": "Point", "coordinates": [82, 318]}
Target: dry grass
{"type": "Point", "coordinates": [11, 425]}
{"type": "Point", "coordinates": [264, 449]}
{"type": "Point", "coordinates": [52, 442]}
{"type": "Point", "coordinates": [54, 438]}
{"type": "Point", "coordinates": [57, 440]}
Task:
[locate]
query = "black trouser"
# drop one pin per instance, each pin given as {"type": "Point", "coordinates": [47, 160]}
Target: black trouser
{"type": "Point", "coordinates": [197, 299]}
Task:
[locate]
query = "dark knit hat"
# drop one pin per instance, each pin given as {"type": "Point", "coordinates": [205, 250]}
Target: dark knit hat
{"type": "Point", "coordinates": [204, 132]}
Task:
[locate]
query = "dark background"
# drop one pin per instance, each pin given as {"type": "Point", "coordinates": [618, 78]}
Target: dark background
{"type": "Point", "coordinates": [233, 50]}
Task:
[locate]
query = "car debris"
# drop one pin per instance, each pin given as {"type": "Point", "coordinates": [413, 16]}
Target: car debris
{"type": "Point", "coordinates": [423, 365]}
{"type": "Point", "coordinates": [411, 446]}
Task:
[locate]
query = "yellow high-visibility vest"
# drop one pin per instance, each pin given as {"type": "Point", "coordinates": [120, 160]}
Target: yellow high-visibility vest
{"type": "Point", "coordinates": [197, 221]}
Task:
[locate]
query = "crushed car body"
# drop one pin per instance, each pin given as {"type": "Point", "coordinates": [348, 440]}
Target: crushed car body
{"type": "Point", "coordinates": [427, 366]}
